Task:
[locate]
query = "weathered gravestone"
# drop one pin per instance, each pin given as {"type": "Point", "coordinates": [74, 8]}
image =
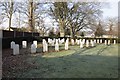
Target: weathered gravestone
{"type": "Point", "coordinates": [33, 48]}
{"type": "Point", "coordinates": [16, 49]}
{"type": "Point", "coordinates": [24, 44]}
{"type": "Point", "coordinates": [12, 44]}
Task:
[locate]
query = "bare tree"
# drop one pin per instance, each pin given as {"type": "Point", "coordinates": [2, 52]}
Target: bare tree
{"type": "Point", "coordinates": [112, 26]}
{"type": "Point", "coordinates": [8, 9]}
{"type": "Point", "coordinates": [99, 30]}
{"type": "Point", "coordinates": [76, 16]}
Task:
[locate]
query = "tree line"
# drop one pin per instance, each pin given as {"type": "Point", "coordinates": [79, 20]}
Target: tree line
{"type": "Point", "coordinates": [72, 17]}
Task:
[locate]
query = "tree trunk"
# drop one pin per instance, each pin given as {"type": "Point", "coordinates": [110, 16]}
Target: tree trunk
{"type": "Point", "coordinates": [61, 29]}
{"type": "Point", "coordinates": [31, 26]}
{"type": "Point", "coordinates": [11, 12]}
{"type": "Point", "coordinates": [10, 22]}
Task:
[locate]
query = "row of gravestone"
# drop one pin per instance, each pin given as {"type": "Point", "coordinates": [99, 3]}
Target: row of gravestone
{"type": "Point", "coordinates": [95, 41]}
{"type": "Point", "coordinates": [56, 43]}
{"type": "Point", "coordinates": [15, 47]}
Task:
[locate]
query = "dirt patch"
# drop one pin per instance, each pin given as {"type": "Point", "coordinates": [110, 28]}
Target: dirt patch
{"type": "Point", "coordinates": [13, 64]}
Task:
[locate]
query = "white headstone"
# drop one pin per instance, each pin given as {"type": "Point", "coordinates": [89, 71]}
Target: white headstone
{"type": "Point", "coordinates": [56, 46]}
{"type": "Point", "coordinates": [101, 41]}
{"type": "Point", "coordinates": [53, 41]}
{"type": "Point", "coordinates": [24, 44]}
{"type": "Point", "coordinates": [72, 41]}
{"type": "Point", "coordinates": [49, 40]}
{"type": "Point", "coordinates": [105, 42]}
{"type": "Point", "coordinates": [98, 41]}
{"type": "Point", "coordinates": [108, 42]}
{"type": "Point", "coordinates": [35, 42]}
{"type": "Point", "coordinates": [62, 41]}
{"type": "Point", "coordinates": [12, 44]}
{"type": "Point", "coordinates": [83, 41]}
{"type": "Point", "coordinates": [66, 44]}
{"type": "Point", "coordinates": [87, 43]}
{"type": "Point", "coordinates": [81, 45]}
{"type": "Point", "coordinates": [92, 43]}
{"type": "Point", "coordinates": [95, 41]}
{"type": "Point", "coordinates": [114, 41]}
{"type": "Point", "coordinates": [46, 46]}
{"type": "Point", "coordinates": [33, 48]}
{"type": "Point", "coordinates": [78, 42]}
{"type": "Point", "coordinates": [15, 49]}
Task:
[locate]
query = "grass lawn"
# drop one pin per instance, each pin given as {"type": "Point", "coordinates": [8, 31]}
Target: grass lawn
{"type": "Point", "coordinates": [97, 62]}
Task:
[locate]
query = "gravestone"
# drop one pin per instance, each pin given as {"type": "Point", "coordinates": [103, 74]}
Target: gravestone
{"type": "Point", "coordinates": [45, 45]}
{"type": "Point", "coordinates": [33, 48]}
{"type": "Point", "coordinates": [81, 45]}
{"type": "Point", "coordinates": [101, 41]}
{"type": "Point", "coordinates": [56, 45]}
{"type": "Point", "coordinates": [92, 43]}
{"type": "Point", "coordinates": [98, 41]}
{"type": "Point", "coordinates": [72, 41]}
{"type": "Point", "coordinates": [76, 41]}
{"type": "Point", "coordinates": [80, 40]}
{"type": "Point", "coordinates": [62, 41]}
{"type": "Point", "coordinates": [95, 41]}
{"type": "Point", "coordinates": [16, 49]}
{"type": "Point", "coordinates": [24, 44]}
{"type": "Point", "coordinates": [12, 44]}
{"type": "Point", "coordinates": [105, 42]}
{"type": "Point", "coordinates": [108, 42]}
{"type": "Point", "coordinates": [87, 43]}
{"type": "Point", "coordinates": [83, 41]}
{"type": "Point", "coordinates": [67, 44]}
{"type": "Point", "coordinates": [114, 41]}
{"type": "Point", "coordinates": [53, 42]}
{"type": "Point", "coordinates": [59, 40]}
{"type": "Point", "coordinates": [35, 42]}
{"type": "Point", "coordinates": [49, 40]}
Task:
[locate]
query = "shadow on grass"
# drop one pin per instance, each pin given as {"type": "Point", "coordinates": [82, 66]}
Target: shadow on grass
{"type": "Point", "coordinates": [73, 65]}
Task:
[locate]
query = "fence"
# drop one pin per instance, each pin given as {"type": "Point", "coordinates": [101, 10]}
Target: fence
{"type": "Point", "coordinates": [7, 36]}
{"type": "Point", "coordinates": [13, 34]}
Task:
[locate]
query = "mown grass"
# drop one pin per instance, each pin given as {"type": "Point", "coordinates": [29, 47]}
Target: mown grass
{"type": "Point", "coordinates": [97, 62]}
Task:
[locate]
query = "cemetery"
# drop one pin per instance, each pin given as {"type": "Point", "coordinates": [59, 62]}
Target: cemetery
{"type": "Point", "coordinates": [58, 40]}
{"type": "Point", "coordinates": [62, 58]}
